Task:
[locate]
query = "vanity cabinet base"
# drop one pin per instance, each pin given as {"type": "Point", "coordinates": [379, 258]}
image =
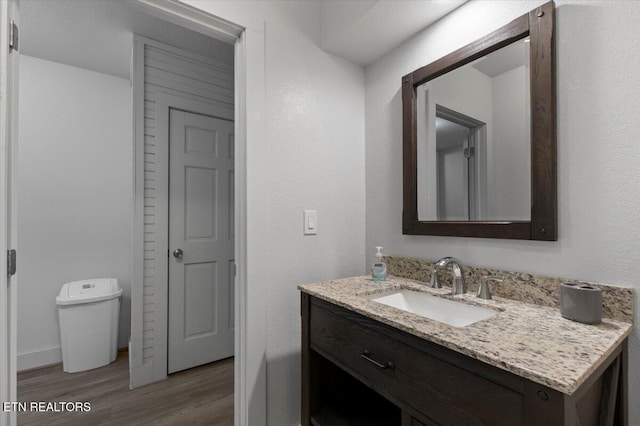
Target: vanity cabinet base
{"type": "Point", "coordinates": [344, 400]}
{"type": "Point", "coordinates": [356, 370]}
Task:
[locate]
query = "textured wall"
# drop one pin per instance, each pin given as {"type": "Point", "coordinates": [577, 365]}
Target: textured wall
{"type": "Point", "coordinates": [313, 159]}
{"type": "Point", "coordinates": [598, 55]}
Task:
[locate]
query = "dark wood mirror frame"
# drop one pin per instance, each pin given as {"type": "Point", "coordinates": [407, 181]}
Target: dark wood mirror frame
{"type": "Point", "coordinates": [539, 26]}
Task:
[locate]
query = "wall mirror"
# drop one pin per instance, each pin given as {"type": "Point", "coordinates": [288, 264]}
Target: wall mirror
{"type": "Point", "coordinates": [479, 137]}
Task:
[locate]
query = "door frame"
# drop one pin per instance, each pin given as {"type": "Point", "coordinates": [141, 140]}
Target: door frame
{"type": "Point", "coordinates": [246, 31]}
{"type": "Point", "coordinates": [477, 165]}
{"type": "Point", "coordinates": [166, 101]}
{"type": "Point", "coordinates": [8, 210]}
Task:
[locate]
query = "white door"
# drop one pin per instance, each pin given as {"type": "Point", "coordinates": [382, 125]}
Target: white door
{"type": "Point", "coordinates": [201, 262]}
{"type": "Point", "coordinates": [8, 161]}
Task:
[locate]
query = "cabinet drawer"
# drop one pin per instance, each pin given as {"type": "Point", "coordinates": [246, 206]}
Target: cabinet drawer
{"type": "Point", "coordinates": [412, 379]}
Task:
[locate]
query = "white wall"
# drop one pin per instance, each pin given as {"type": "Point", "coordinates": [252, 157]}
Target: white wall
{"type": "Point", "coordinates": [509, 159]}
{"type": "Point", "coordinates": [314, 159]}
{"type": "Point", "coordinates": [598, 55]}
{"type": "Point", "coordinates": [74, 194]}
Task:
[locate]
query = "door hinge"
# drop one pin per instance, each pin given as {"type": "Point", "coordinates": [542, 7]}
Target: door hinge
{"type": "Point", "coordinates": [469, 152]}
{"type": "Point", "coordinates": [13, 36]}
{"type": "Point", "coordinates": [11, 262]}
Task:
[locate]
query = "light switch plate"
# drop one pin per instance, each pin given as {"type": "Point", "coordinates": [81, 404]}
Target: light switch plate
{"type": "Point", "coordinates": [310, 222]}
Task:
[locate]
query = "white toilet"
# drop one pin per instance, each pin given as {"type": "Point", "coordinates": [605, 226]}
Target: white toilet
{"type": "Point", "coordinates": [88, 311]}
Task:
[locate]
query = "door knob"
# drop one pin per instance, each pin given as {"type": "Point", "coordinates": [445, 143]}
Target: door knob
{"type": "Point", "coordinates": [177, 253]}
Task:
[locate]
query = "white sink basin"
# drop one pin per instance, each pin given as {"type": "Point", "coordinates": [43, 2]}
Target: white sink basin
{"type": "Point", "coordinates": [439, 309]}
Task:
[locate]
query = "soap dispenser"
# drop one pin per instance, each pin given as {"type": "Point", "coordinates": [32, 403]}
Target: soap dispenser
{"type": "Point", "coordinates": [378, 267]}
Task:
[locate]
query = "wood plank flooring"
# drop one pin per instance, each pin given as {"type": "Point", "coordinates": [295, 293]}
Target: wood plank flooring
{"type": "Point", "coordinates": [199, 396]}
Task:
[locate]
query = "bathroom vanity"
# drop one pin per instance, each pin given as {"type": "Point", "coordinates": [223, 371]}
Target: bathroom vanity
{"type": "Point", "coordinates": [366, 363]}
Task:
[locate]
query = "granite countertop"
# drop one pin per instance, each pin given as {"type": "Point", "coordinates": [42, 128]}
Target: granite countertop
{"type": "Point", "coordinates": [531, 341]}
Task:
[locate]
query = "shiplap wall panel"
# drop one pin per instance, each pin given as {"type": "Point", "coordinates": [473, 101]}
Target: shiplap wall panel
{"type": "Point", "coordinates": [169, 70]}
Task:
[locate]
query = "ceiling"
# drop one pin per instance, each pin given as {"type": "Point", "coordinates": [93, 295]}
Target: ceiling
{"type": "Point", "coordinates": [96, 35]}
{"type": "Point", "coordinates": [363, 31]}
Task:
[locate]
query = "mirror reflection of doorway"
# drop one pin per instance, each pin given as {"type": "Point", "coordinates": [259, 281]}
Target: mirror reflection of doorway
{"type": "Point", "coordinates": [460, 147]}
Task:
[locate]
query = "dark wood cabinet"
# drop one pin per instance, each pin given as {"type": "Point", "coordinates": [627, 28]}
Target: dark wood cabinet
{"type": "Point", "coordinates": [358, 371]}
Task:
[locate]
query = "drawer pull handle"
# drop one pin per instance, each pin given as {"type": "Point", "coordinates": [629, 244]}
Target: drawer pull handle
{"type": "Point", "coordinates": [367, 355]}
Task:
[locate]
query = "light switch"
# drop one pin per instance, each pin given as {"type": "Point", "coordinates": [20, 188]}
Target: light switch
{"type": "Point", "coordinates": [310, 222]}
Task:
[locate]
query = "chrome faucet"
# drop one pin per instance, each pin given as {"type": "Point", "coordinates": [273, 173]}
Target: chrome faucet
{"type": "Point", "coordinates": [458, 286]}
{"type": "Point", "coordinates": [484, 292]}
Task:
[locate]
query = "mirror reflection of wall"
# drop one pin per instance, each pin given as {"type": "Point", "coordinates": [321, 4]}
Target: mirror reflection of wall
{"type": "Point", "coordinates": [474, 159]}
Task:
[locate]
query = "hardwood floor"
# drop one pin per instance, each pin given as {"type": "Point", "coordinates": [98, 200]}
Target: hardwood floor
{"type": "Point", "coordinates": [199, 396]}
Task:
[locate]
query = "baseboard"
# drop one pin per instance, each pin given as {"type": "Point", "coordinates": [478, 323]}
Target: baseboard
{"type": "Point", "coordinates": [41, 358]}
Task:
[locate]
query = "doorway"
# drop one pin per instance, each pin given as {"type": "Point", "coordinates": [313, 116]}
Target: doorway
{"type": "Point", "coordinates": [246, 33]}
{"type": "Point", "coordinates": [460, 152]}
{"type": "Point", "coordinates": [115, 179]}
{"type": "Point", "coordinates": [184, 98]}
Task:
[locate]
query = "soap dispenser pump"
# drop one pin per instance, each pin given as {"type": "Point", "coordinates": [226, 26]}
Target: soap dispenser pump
{"type": "Point", "coordinates": [378, 267]}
